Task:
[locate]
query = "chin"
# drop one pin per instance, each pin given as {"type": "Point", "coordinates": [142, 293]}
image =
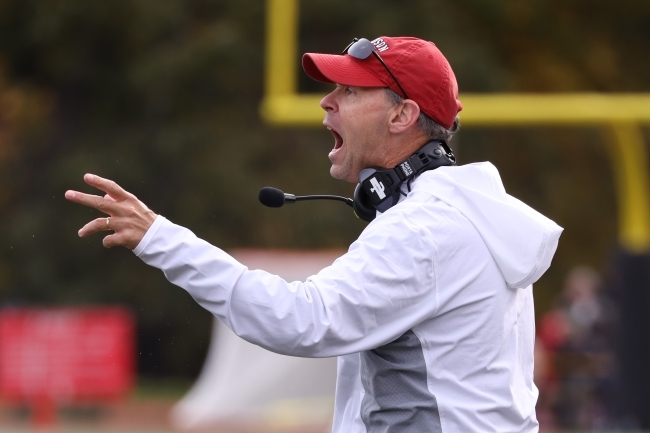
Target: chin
{"type": "Point", "coordinates": [337, 173]}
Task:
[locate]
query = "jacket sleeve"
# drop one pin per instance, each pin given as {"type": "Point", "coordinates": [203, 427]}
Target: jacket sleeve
{"type": "Point", "coordinates": [382, 287]}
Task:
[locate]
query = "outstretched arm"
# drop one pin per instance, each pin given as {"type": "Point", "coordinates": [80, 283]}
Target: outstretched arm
{"type": "Point", "coordinates": [381, 288]}
{"type": "Point", "coordinates": [128, 217]}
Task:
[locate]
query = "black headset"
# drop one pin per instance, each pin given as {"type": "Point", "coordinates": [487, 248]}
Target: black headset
{"type": "Point", "coordinates": [379, 190]}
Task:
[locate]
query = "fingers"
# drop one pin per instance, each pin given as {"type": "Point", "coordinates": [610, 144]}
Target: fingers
{"type": "Point", "coordinates": [108, 186]}
{"type": "Point", "coordinates": [107, 224]}
{"type": "Point", "coordinates": [128, 217]}
{"type": "Point", "coordinates": [114, 240]}
{"type": "Point", "coordinates": [124, 236]}
{"type": "Point", "coordinates": [117, 225]}
{"type": "Point", "coordinates": [108, 206]}
{"type": "Point", "coordinates": [98, 225]}
{"type": "Point", "coordinates": [128, 232]}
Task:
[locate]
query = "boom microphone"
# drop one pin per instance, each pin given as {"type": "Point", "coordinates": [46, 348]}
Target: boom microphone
{"type": "Point", "coordinates": [273, 197]}
{"type": "Point", "coordinates": [378, 189]}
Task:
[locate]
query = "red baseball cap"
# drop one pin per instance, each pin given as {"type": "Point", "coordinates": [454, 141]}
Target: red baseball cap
{"type": "Point", "coordinates": [418, 65]}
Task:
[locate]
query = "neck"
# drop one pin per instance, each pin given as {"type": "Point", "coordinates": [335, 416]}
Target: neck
{"type": "Point", "coordinates": [403, 149]}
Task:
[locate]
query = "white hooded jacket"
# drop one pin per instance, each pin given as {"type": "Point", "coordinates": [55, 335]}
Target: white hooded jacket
{"type": "Point", "coordinates": [430, 311]}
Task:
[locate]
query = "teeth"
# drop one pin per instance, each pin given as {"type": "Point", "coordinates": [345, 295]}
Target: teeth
{"type": "Point", "coordinates": [329, 129]}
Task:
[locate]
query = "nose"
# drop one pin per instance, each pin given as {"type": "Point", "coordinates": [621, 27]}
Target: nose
{"type": "Point", "coordinates": [328, 103]}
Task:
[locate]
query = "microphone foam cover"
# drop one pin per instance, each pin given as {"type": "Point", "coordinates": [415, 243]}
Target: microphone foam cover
{"type": "Point", "coordinates": [271, 197]}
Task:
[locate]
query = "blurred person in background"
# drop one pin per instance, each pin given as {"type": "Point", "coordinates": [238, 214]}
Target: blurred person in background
{"type": "Point", "coordinates": [431, 310]}
{"type": "Point", "coordinates": [576, 339]}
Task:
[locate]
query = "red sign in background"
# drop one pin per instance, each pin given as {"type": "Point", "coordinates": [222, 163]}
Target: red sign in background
{"type": "Point", "coordinates": [66, 354]}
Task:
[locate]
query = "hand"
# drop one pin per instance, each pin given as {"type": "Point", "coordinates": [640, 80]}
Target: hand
{"type": "Point", "coordinates": [128, 217]}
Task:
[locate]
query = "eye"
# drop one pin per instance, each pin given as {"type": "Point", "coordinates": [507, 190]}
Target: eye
{"type": "Point", "coordinates": [348, 90]}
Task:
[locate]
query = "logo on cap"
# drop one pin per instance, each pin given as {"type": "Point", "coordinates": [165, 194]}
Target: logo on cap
{"type": "Point", "coordinates": [380, 44]}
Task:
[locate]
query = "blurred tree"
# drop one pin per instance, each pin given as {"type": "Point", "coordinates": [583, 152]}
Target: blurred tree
{"type": "Point", "coordinates": [162, 96]}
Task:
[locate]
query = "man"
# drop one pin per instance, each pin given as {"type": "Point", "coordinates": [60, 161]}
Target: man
{"type": "Point", "coordinates": [431, 310]}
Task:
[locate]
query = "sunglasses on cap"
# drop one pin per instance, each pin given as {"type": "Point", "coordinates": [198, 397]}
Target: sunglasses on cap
{"type": "Point", "coordinates": [362, 48]}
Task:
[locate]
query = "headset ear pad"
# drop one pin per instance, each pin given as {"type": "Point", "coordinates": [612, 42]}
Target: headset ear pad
{"type": "Point", "coordinates": [362, 206]}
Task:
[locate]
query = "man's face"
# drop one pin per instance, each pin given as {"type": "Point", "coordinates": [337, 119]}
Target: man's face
{"type": "Point", "coordinates": [358, 119]}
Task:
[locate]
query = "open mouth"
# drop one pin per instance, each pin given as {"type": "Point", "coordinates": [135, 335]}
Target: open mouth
{"type": "Point", "coordinates": [338, 140]}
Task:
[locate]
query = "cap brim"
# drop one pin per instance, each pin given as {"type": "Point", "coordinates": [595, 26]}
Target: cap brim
{"type": "Point", "coordinates": [340, 69]}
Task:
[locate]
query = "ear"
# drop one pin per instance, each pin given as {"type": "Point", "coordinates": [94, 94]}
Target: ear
{"type": "Point", "coordinates": [404, 116]}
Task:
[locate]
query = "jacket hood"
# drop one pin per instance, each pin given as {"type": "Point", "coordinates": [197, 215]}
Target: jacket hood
{"type": "Point", "coordinates": [521, 240]}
